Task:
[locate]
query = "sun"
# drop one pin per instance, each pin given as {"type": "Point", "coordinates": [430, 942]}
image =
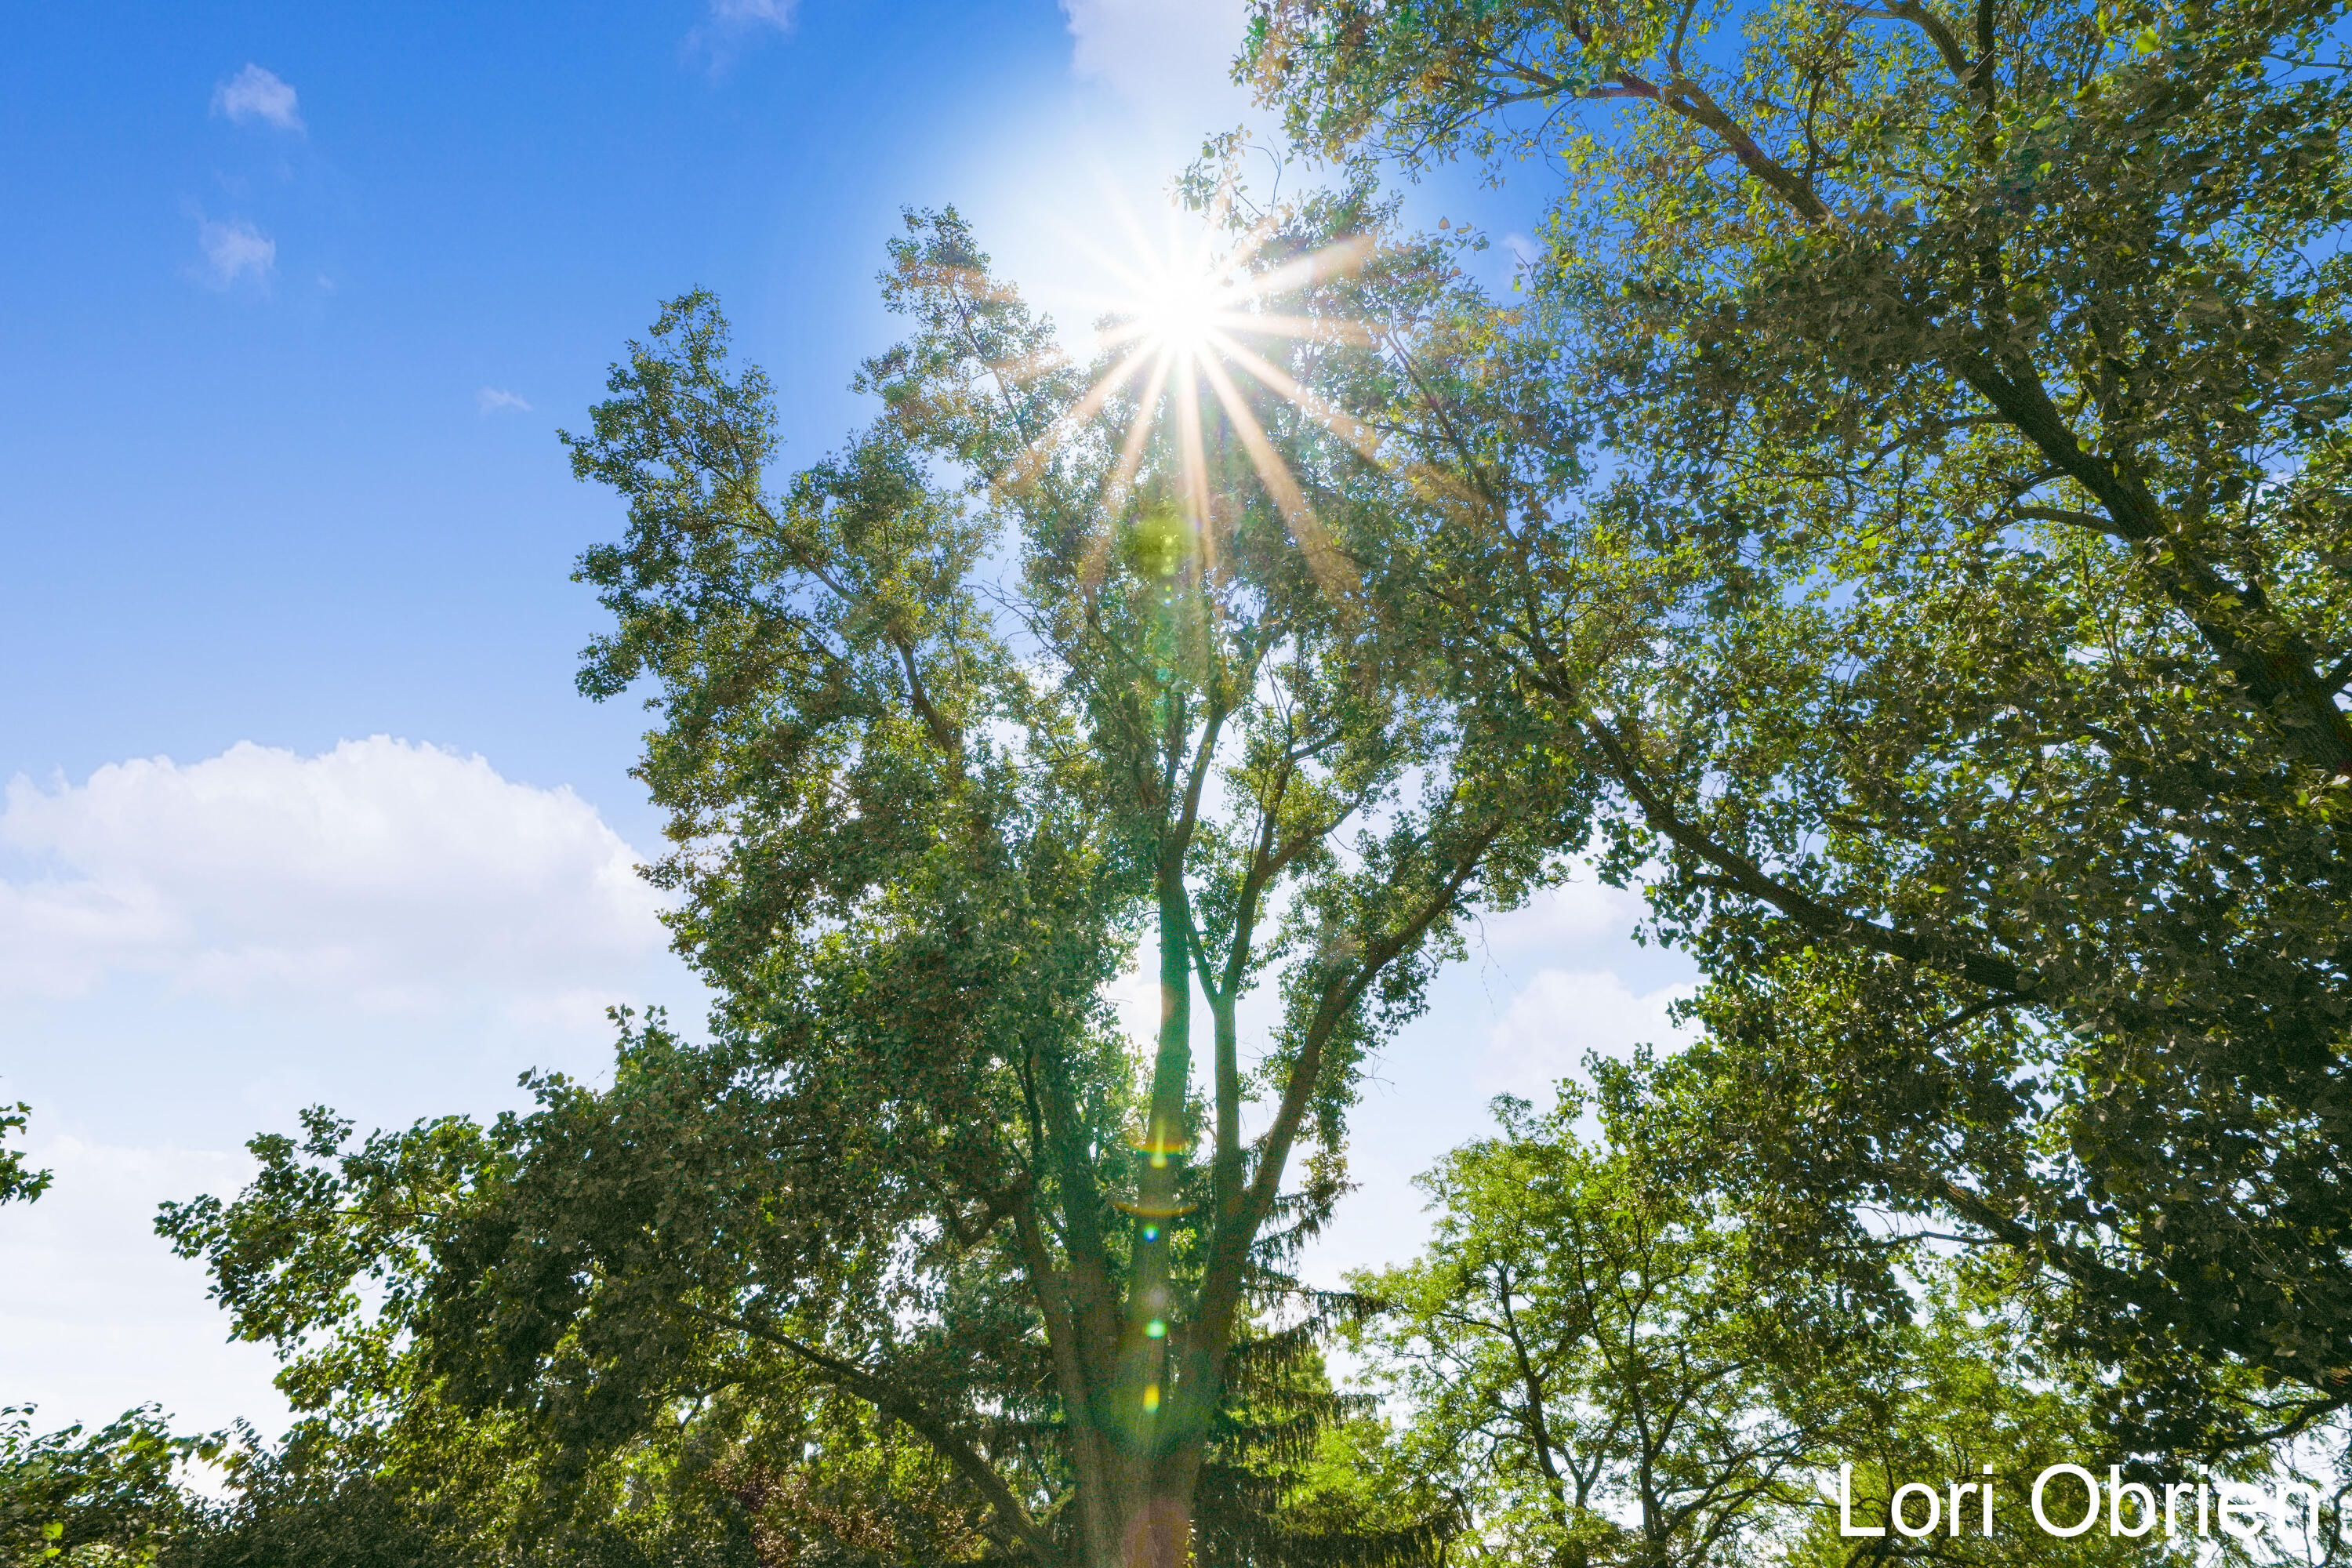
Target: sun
{"type": "Point", "coordinates": [1181, 321]}
{"type": "Point", "coordinates": [1180, 313]}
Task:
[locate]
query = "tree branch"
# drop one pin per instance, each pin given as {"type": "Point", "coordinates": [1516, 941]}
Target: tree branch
{"type": "Point", "coordinates": [904, 1408]}
{"type": "Point", "coordinates": [1938, 31]}
{"type": "Point", "coordinates": [1689, 99]}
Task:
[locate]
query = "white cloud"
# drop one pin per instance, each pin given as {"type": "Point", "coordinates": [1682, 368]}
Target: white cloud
{"type": "Point", "coordinates": [1161, 52]}
{"type": "Point", "coordinates": [234, 249]}
{"type": "Point", "coordinates": [1569, 914]}
{"type": "Point", "coordinates": [727, 23]}
{"type": "Point", "coordinates": [254, 94]}
{"type": "Point", "coordinates": [400, 878]}
{"type": "Point", "coordinates": [490, 399]}
{"type": "Point", "coordinates": [1562, 1013]}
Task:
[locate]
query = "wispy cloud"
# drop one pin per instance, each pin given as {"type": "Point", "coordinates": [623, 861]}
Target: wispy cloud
{"type": "Point", "coordinates": [1173, 54]}
{"type": "Point", "coordinates": [777, 14]}
{"type": "Point", "coordinates": [728, 24]}
{"type": "Point", "coordinates": [492, 399]}
{"type": "Point", "coordinates": [233, 250]}
{"type": "Point", "coordinates": [255, 93]}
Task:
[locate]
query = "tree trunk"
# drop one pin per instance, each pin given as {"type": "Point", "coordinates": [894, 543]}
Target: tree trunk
{"type": "Point", "coordinates": [1134, 1497]}
{"type": "Point", "coordinates": [1135, 1488]}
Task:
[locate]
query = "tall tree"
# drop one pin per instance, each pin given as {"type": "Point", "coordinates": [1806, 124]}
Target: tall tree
{"type": "Point", "coordinates": [1960, 622]}
{"type": "Point", "coordinates": [950, 724]}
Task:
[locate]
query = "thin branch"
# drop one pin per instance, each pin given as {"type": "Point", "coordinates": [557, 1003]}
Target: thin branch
{"type": "Point", "coordinates": [1939, 32]}
{"type": "Point", "coordinates": [906, 1409]}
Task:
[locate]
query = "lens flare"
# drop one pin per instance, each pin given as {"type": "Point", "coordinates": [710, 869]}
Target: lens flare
{"type": "Point", "coordinates": [1179, 314]}
{"type": "Point", "coordinates": [1178, 326]}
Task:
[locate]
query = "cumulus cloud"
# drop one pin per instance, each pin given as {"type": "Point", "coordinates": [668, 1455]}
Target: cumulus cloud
{"type": "Point", "coordinates": [492, 399]}
{"type": "Point", "coordinates": [234, 249]}
{"type": "Point", "coordinates": [1560, 1016]}
{"type": "Point", "coordinates": [1163, 52]}
{"type": "Point", "coordinates": [401, 877]}
{"type": "Point", "coordinates": [1567, 915]}
{"type": "Point", "coordinates": [255, 93]}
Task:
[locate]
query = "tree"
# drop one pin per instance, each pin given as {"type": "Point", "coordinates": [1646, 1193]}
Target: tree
{"type": "Point", "coordinates": [1967, 1391]}
{"type": "Point", "coordinates": [17, 1182]}
{"type": "Point", "coordinates": [1616, 1369]}
{"type": "Point", "coordinates": [1957, 620]}
{"type": "Point", "coordinates": [1604, 1363]}
{"type": "Point", "coordinates": [949, 722]}
{"type": "Point", "coordinates": [106, 1497]}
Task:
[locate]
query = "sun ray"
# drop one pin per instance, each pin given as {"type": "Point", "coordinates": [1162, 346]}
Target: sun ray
{"type": "Point", "coordinates": [1122, 478]}
{"type": "Point", "coordinates": [1347, 428]}
{"type": "Point", "coordinates": [1344, 426]}
{"type": "Point", "coordinates": [1341, 257]}
{"type": "Point", "coordinates": [1311, 329]}
{"type": "Point", "coordinates": [1241, 252]}
{"type": "Point", "coordinates": [1331, 568]}
{"type": "Point", "coordinates": [1195, 461]}
{"type": "Point", "coordinates": [1041, 450]}
{"type": "Point", "coordinates": [1187, 305]}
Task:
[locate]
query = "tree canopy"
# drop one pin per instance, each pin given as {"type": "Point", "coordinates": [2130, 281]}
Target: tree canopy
{"type": "Point", "coordinates": [950, 724]}
{"type": "Point", "coordinates": [1956, 623]}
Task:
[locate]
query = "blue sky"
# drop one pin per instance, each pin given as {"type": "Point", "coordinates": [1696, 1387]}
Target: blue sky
{"type": "Point", "coordinates": [301, 805]}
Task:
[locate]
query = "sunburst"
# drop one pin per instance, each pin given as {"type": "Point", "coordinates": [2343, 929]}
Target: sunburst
{"type": "Point", "coordinates": [1182, 320]}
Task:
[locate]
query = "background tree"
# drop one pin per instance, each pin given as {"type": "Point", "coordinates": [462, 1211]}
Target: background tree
{"type": "Point", "coordinates": [1959, 620]}
{"type": "Point", "coordinates": [1965, 1382]}
{"type": "Point", "coordinates": [19, 1182]}
{"type": "Point", "coordinates": [949, 723]}
{"type": "Point", "coordinates": [1602, 1362]}
{"type": "Point", "coordinates": [1612, 1368]}
{"type": "Point", "coordinates": [71, 1497]}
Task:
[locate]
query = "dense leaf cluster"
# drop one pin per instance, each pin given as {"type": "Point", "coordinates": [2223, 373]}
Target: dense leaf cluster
{"type": "Point", "coordinates": [1957, 613]}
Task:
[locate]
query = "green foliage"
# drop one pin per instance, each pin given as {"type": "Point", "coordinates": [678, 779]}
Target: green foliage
{"type": "Point", "coordinates": [279, 1520]}
{"type": "Point", "coordinates": [72, 1498]}
{"type": "Point", "coordinates": [516, 1321]}
{"type": "Point", "coordinates": [950, 724]}
{"type": "Point", "coordinates": [1957, 615]}
{"type": "Point", "coordinates": [1609, 1367]}
{"type": "Point", "coordinates": [1299, 1474]}
{"type": "Point", "coordinates": [1965, 1384]}
{"type": "Point", "coordinates": [1581, 1338]}
{"type": "Point", "coordinates": [17, 1183]}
